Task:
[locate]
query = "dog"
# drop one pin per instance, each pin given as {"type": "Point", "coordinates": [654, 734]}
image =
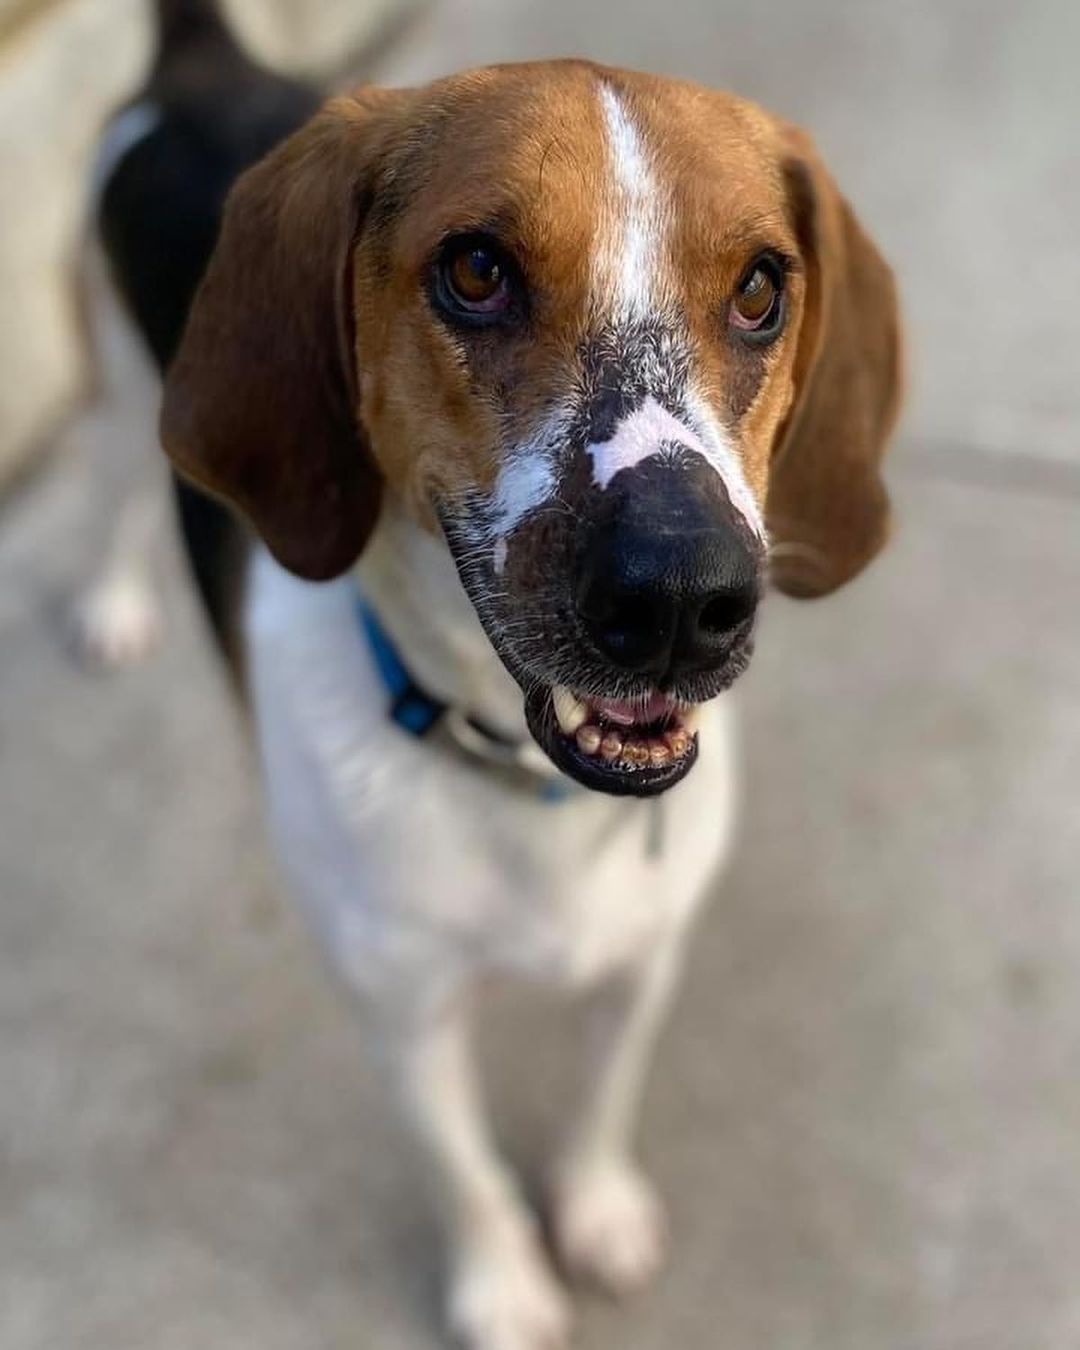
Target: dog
{"type": "Point", "coordinates": [163, 165]}
{"type": "Point", "coordinates": [523, 385]}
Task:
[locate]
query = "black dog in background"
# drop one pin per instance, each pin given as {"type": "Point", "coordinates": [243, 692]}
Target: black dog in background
{"type": "Point", "coordinates": [165, 163]}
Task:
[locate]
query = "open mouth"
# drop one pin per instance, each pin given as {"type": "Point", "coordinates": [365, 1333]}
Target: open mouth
{"type": "Point", "coordinates": [626, 747]}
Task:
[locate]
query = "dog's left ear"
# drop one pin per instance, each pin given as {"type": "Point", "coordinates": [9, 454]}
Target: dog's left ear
{"type": "Point", "coordinates": [261, 401]}
{"type": "Point", "coordinates": [827, 508]}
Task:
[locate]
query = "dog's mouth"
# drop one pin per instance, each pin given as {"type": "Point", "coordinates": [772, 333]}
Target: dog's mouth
{"type": "Point", "coordinates": [626, 747]}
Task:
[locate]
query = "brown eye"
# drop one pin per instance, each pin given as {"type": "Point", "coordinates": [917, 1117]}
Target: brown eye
{"type": "Point", "coordinates": [475, 279]}
{"type": "Point", "coordinates": [756, 307]}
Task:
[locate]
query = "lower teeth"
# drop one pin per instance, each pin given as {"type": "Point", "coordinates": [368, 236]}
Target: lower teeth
{"type": "Point", "coordinates": [610, 746]}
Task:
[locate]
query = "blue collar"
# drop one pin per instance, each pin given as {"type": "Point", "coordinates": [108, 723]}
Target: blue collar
{"type": "Point", "coordinates": [410, 707]}
{"type": "Point", "coordinates": [418, 713]}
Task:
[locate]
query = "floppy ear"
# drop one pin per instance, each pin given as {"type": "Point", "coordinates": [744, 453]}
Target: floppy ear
{"type": "Point", "coordinates": [260, 403]}
{"type": "Point", "coordinates": [827, 508]}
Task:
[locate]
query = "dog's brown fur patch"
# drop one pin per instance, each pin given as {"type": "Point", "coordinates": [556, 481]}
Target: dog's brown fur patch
{"type": "Point", "coordinates": [315, 368]}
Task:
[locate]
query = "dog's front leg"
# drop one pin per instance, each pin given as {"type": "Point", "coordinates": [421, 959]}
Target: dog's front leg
{"type": "Point", "coordinates": [116, 618]}
{"type": "Point", "coordinates": [608, 1221]}
{"type": "Point", "coordinates": [502, 1294]}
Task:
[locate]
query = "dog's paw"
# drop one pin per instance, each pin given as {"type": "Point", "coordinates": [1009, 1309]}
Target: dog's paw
{"type": "Point", "coordinates": [609, 1226]}
{"type": "Point", "coordinates": [116, 623]}
{"type": "Point", "coordinates": [505, 1297]}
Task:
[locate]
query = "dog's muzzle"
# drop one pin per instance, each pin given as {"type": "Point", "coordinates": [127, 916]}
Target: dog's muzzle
{"type": "Point", "coordinates": [667, 577]}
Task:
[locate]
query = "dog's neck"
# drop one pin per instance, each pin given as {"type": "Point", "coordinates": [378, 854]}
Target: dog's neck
{"type": "Point", "coordinates": [409, 577]}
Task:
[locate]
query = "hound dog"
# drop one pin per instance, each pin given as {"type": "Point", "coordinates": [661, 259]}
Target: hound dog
{"type": "Point", "coordinates": [163, 165]}
{"type": "Point", "coordinates": [523, 380]}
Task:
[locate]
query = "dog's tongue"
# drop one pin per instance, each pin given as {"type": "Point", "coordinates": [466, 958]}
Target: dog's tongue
{"type": "Point", "coordinates": [626, 712]}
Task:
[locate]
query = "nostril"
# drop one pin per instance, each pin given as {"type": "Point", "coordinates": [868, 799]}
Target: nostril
{"type": "Point", "coordinates": [633, 629]}
{"type": "Point", "coordinates": [726, 611]}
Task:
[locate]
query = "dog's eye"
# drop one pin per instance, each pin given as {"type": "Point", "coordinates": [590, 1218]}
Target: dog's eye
{"type": "Point", "coordinates": [474, 280]}
{"type": "Point", "coordinates": [757, 306]}
{"type": "Point", "coordinates": [475, 276]}
{"type": "Point", "coordinates": [755, 298]}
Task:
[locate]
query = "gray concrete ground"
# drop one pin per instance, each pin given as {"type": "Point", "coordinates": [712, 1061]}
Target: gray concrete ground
{"type": "Point", "coordinates": [866, 1115]}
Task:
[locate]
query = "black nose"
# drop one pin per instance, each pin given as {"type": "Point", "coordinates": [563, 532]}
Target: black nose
{"type": "Point", "coordinates": [667, 601]}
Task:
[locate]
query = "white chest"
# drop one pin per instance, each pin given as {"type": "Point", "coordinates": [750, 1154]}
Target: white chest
{"type": "Point", "coordinates": [414, 866]}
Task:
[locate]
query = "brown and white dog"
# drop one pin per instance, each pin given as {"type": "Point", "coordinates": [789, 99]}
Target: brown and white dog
{"type": "Point", "coordinates": [552, 364]}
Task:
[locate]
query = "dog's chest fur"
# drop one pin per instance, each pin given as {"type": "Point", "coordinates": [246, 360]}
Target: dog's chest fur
{"type": "Point", "coordinates": [417, 868]}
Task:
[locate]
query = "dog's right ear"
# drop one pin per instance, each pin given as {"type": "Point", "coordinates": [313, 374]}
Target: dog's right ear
{"type": "Point", "coordinates": [261, 401]}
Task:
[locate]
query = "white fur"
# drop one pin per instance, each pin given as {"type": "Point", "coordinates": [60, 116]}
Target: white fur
{"type": "Point", "coordinates": [407, 575]}
{"type": "Point", "coordinates": [115, 618]}
{"type": "Point", "coordinates": [525, 481]}
{"type": "Point", "coordinates": [649, 428]}
{"type": "Point", "coordinates": [631, 237]}
{"type": "Point", "coordinates": [421, 875]}
{"type": "Point", "coordinates": [504, 1294]}
{"type": "Point", "coordinates": [116, 621]}
{"type": "Point", "coordinates": [122, 134]}
{"type": "Point", "coordinates": [610, 1227]}
{"type": "Point", "coordinates": [347, 788]}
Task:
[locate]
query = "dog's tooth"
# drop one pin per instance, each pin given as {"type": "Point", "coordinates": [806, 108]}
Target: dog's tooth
{"type": "Point", "coordinates": [611, 746]}
{"type": "Point", "coordinates": [588, 739]}
{"type": "Point", "coordinates": [636, 753]}
{"type": "Point", "coordinates": [569, 710]}
{"type": "Point", "coordinates": [690, 716]}
{"type": "Point", "coordinates": [659, 754]}
{"type": "Point", "coordinates": [677, 741]}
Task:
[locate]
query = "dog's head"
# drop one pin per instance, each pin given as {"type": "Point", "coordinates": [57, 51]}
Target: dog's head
{"type": "Point", "coordinates": [617, 337]}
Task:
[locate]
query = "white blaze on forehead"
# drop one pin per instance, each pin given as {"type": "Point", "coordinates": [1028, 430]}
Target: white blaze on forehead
{"type": "Point", "coordinates": [631, 224]}
{"type": "Point", "coordinates": [652, 430]}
